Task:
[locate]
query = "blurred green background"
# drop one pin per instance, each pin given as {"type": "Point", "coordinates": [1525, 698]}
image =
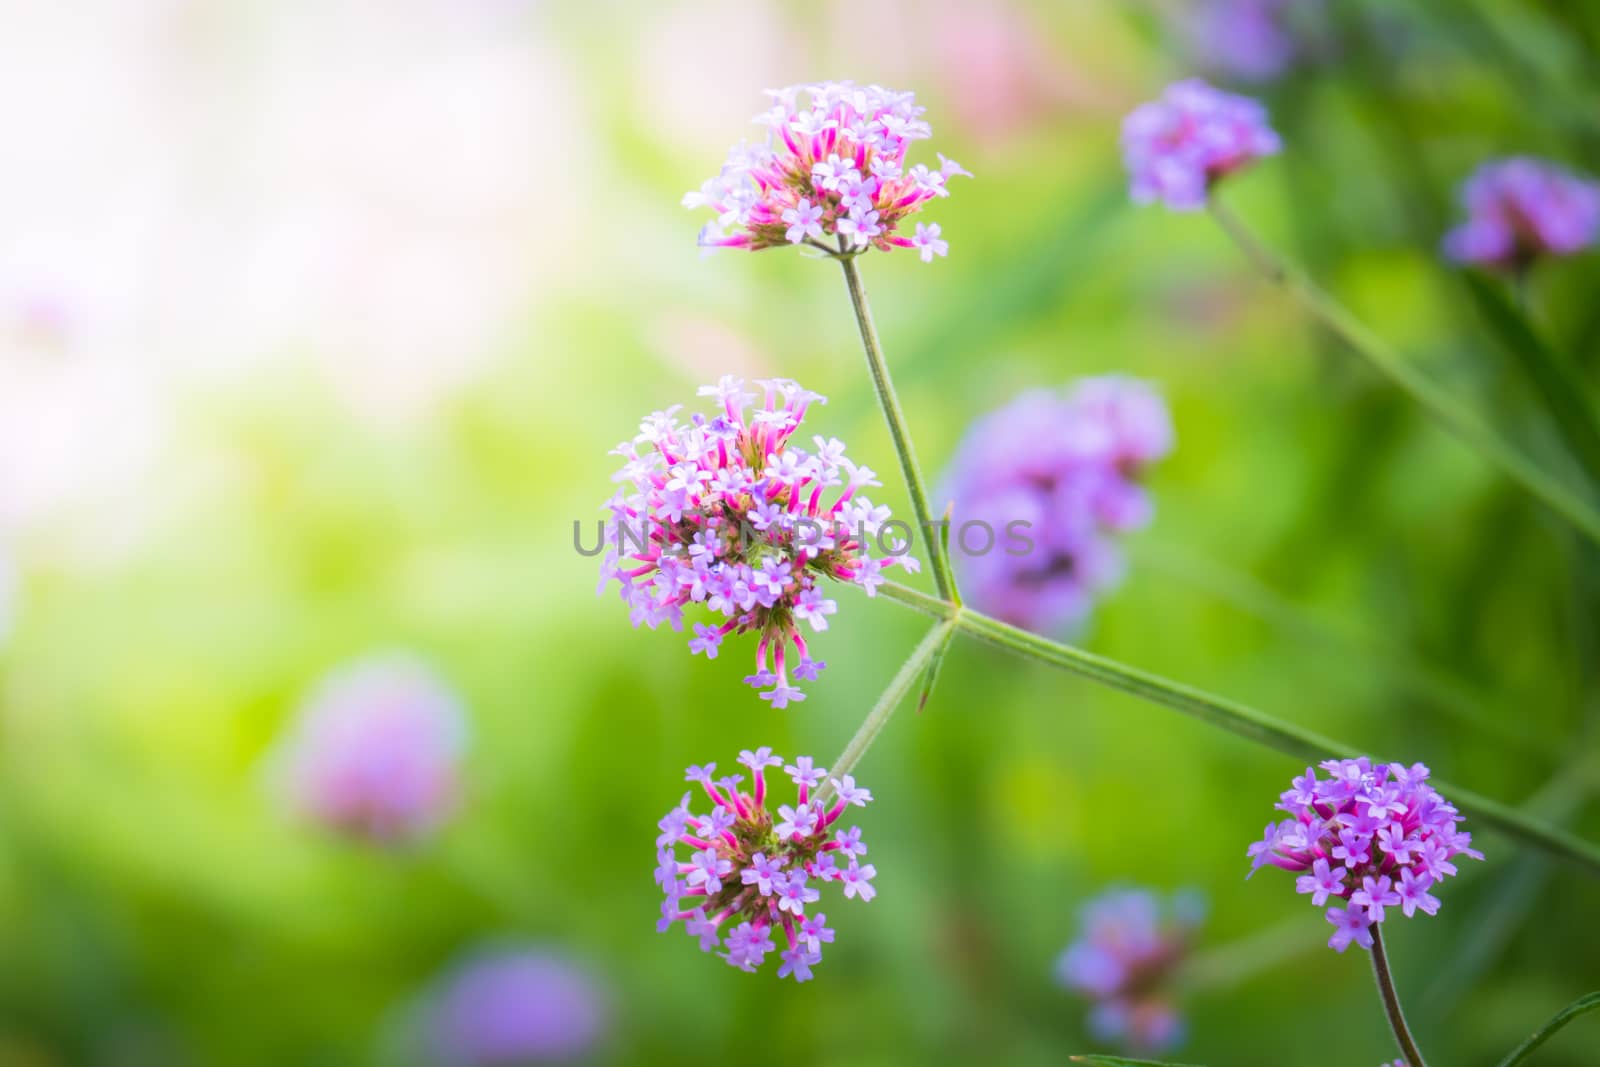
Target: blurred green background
{"type": "Point", "coordinates": [320, 318]}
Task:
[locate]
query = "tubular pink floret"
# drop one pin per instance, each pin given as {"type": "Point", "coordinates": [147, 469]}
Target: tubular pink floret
{"type": "Point", "coordinates": [763, 870]}
{"type": "Point", "coordinates": [1374, 836]}
{"type": "Point", "coordinates": [833, 166]}
{"type": "Point", "coordinates": [732, 511]}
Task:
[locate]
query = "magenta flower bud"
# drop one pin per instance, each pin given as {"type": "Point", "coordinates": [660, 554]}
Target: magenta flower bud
{"type": "Point", "coordinates": [1176, 148]}
{"type": "Point", "coordinates": [512, 1007]}
{"type": "Point", "coordinates": [747, 880]}
{"type": "Point", "coordinates": [728, 512]}
{"type": "Point", "coordinates": [1520, 209]}
{"type": "Point", "coordinates": [1129, 944]}
{"type": "Point", "coordinates": [1371, 839]}
{"type": "Point", "coordinates": [377, 749]}
{"type": "Point", "coordinates": [1042, 487]}
{"type": "Point", "coordinates": [833, 165]}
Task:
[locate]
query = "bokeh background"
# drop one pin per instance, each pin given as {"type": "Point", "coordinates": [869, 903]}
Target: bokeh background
{"type": "Point", "coordinates": [318, 319]}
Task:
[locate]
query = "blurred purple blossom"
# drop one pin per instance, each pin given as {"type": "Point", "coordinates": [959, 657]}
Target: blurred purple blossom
{"type": "Point", "coordinates": [1177, 147]}
{"type": "Point", "coordinates": [376, 751]}
{"type": "Point", "coordinates": [1519, 209]}
{"type": "Point", "coordinates": [1069, 466]}
{"type": "Point", "coordinates": [1374, 837]}
{"type": "Point", "coordinates": [1252, 40]}
{"type": "Point", "coordinates": [1129, 943]}
{"type": "Point", "coordinates": [510, 1007]}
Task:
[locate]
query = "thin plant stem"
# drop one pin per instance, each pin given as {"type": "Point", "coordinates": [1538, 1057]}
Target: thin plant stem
{"type": "Point", "coordinates": [938, 560]}
{"type": "Point", "coordinates": [1337, 644]}
{"type": "Point", "coordinates": [1445, 409]}
{"type": "Point", "coordinates": [888, 701]}
{"type": "Point", "coordinates": [1232, 716]}
{"type": "Point", "coordinates": [1391, 1001]}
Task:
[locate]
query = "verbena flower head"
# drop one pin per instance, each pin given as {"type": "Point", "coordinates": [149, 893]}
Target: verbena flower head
{"type": "Point", "coordinates": [1253, 40]}
{"type": "Point", "coordinates": [513, 1006]}
{"type": "Point", "coordinates": [1520, 209]}
{"type": "Point", "coordinates": [833, 168]}
{"type": "Point", "coordinates": [1176, 148]}
{"type": "Point", "coordinates": [377, 750]}
{"type": "Point", "coordinates": [751, 881]}
{"type": "Point", "coordinates": [1374, 838]}
{"type": "Point", "coordinates": [1055, 475]}
{"type": "Point", "coordinates": [729, 512]}
{"type": "Point", "coordinates": [1130, 942]}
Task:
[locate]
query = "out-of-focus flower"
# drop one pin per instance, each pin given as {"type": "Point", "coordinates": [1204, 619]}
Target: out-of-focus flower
{"type": "Point", "coordinates": [1519, 209]}
{"type": "Point", "coordinates": [514, 1006]}
{"type": "Point", "coordinates": [1372, 836]}
{"type": "Point", "coordinates": [377, 750]}
{"type": "Point", "coordinates": [725, 512]}
{"type": "Point", "coordinates": [1046, 481]}
{"type": "Point", "coordinates": [1253, 40]}
{"type": "Point", "coordinates": [1176, 148]}
{"type": "Point", "coordinates": [753, 876]}
{"type": "Point", "coordinates": [833, 165]}
{"type": "Point", "coordinates": [1129, 943]}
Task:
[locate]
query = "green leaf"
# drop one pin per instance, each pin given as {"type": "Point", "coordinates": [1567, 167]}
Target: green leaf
{"type": "Point", "coordinates": [1119, 1061]}
{"type": "Point", "coordinates": [934, 663]}
{"type": "Point", "coordinates": [1587, 1002]}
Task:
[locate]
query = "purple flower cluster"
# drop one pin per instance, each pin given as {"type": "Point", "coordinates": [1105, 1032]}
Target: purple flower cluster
{"type": "Point", "coordinates": [509, 1007]}
{"type": "Point", "coordinates": [377, 750]}
{"type": "Point", "coordinates": [1058, 473]}
{"type": "Point", "coordinates": [1519, 209]}
{"type": "Point", "coordinates": [726, 512]}
{"type": "Point", "coordinates": [1254, 40]}
{"type": "Point", "coordinates": [1373, 836]}
{"type": "Point", "coordinates": [1130, 942]}
{"type": "Point", "coordinates": [833, 165]}
{"type": "Point", "coordinates": [750, 873]}
{"type": "Point", "coordinates": [1176, 148]}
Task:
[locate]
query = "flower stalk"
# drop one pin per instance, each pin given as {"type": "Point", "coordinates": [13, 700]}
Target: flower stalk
{"type": "Point", "coordinates": [889, 700]}
{"type": "Point", "coordinates": [1232, 716]}
{"type": "Point", "coordinates": [938, 558]}
{"type": "Point", "coordinates": [1391, 1001]}
{"type": "Point", "coordinates": [1438, 403]}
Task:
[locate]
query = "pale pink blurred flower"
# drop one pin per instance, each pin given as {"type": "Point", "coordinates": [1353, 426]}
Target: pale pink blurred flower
{"type": "Point", "coordinates": [80, 423]}
{"type": "Point", "coordinates": [376, 751]}
{"type": "Point", "coordinates": [995, 68]}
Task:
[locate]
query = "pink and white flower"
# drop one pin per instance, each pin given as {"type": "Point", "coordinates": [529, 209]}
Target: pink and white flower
{"type": "Point", "coordinates": [833, 166]}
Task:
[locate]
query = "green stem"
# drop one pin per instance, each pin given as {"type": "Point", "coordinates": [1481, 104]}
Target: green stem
{"type": "Point", "coordinates": [1236, 718]}
{"type": "Point", "coordinates": [1391, 1001]}
{"type": "Point", "coordinates": [1588, 1002]}
{"type": "Point", "coordinates": [938, 561]}
{"type": "Point", "coordinates": [888, 701]}
{"type": "Point", "coordinates": [1439, 404]}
